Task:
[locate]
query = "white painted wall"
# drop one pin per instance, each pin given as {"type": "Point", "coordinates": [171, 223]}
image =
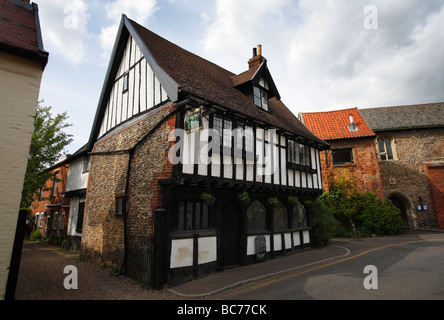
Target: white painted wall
{"type": "Point", "coordinates": [207, 250]}
{"type": "Point", "coordinates": [73, 215]}
{"type": "Point", "coordinates": [282, 175]}
{"type": "Point", "coordinates": [77, 179]}
{"type": "Point", "coordinates": [182, 252]}
{"type": "Point", "coordinates": [19, 91]}
{"type": "Point", "coordinates": [251, 244]}
{"type": "Point", "coordinates": [144, 89]}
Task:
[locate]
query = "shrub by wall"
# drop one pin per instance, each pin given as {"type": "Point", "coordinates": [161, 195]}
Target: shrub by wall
{"type": "Point", "coordinates": [361, 214]}
{"type": "Point", "coordinates": [383, 219]}
{"type": "Point", "coordinates": [36, 236]}
{"type": "Point", "coordinates": [323, 223]}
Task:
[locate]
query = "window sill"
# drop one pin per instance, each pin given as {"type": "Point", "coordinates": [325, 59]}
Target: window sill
{"type": "Point", "coordinates": [349, 164]}
{"type": "Point", "coordinates": [300, 167]}
{"type": "Point", "coordinates": [193, 233]}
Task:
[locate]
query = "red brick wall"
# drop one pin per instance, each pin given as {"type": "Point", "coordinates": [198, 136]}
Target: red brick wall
{"type": "Point", "coordinates": [365, 166]}
{"type": "Point", "coordinates": [41, 206]}
{"type": "Point", "coordinates": [435, 175]}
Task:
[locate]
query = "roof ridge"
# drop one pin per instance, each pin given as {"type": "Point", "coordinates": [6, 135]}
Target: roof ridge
{"type": "Point", "coordinates": [405, 106]}
{"type": "Point", "coordinates": [331, 111]}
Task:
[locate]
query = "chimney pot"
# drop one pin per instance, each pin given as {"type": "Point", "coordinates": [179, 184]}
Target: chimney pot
{"type": "Point", "coordinates": [257, 57]}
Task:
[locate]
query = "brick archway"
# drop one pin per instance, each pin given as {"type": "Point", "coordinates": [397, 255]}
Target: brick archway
{"type": "Point", "coordinates": [405, 206]}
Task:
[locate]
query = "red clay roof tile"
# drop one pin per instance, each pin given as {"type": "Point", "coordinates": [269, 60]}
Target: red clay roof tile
{"type": "Point", "coordinates": [334, 125]}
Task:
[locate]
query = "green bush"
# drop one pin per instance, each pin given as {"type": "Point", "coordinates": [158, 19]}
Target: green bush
{"type": "Point", "coordinates": [323, 223]}
{"type": "Point", "coordinates": [383, 219]}
{"type": "Point", "coordinates": [36, 236]}
{"type": "Point", "coordinates": [360, 214]}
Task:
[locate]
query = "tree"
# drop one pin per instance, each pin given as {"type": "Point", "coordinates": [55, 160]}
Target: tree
{"type": "Point", "coordinates": [47, 147]}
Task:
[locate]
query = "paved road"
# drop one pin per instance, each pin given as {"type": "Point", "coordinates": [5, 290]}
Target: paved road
{"type": "Point", "coordinates": [406, 268]}
{"type": "Point", "coordinates": [409, 267]}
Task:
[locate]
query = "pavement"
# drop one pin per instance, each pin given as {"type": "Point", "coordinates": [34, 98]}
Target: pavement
{"type": "Point", "coordinates": [209, 286]}
{"type": "Point", "coordinates": [234, 277]}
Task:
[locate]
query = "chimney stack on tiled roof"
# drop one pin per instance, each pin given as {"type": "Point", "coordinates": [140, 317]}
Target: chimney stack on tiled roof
{"type": "Point", "coordinates": [257, 57]}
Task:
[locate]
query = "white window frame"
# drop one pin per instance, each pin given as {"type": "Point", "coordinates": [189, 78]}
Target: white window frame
{"type": "Point", "coordinates": [54, 188]}
{"type": "Point", "coordinates": [61, 220]}
{"type": "Point", "coordinates": [55, 221]}
{"type": "Point", "coordinates": [260, 97]}
{"type": "Point", "coordinates": [383, 153]}
{"type": "Point", "coordinates": [40, 225]}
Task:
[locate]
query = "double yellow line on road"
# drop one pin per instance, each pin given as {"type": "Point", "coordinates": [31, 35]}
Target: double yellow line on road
{"type": "Point", "coordinates": [292, 275]}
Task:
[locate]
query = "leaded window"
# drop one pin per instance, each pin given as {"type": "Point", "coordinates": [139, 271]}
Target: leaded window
{"type": "Point", "coordinates": [280, 216]}
{"type": "Point", "coordinates": [298, 154]}
{"type": "Point", "coordinates": [299, 215]}
{"type": "Point", "coordinates": [257, 216]}
{"type": "Point", "coordinates": [385, 148]}
{"type": "Point", "coordinates": [193, 215]}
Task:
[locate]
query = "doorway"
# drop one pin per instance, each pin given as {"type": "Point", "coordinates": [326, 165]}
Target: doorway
{"type": "Point", "coordinates": [401, 205]}
{"type": "Point", "coordinates": [230, 234]}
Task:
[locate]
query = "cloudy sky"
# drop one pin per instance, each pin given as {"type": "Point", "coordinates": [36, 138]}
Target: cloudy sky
{"type": "Point", "coordinates": [322, 54]}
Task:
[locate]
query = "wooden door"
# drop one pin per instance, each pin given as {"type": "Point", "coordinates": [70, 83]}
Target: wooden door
{"type": "Point", "coordinates": [230, 234]}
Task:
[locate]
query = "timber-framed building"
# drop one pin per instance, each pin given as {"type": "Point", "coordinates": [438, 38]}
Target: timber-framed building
{"type": "Point", "coordinates": [172, 128]}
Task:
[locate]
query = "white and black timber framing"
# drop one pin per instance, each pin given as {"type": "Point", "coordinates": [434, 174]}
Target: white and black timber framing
{"type": "Point", "coordinates": [190, 238]}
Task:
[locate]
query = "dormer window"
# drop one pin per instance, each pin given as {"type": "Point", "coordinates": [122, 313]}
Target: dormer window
{"type": "Point", "coordinates": [352, 127]}
{"type": "Point", "coordinates": [260, 97]}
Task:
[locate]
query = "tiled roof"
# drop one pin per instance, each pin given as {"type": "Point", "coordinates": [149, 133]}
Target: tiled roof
{"type": "Point", "coordinates": [244, 76]}
{"type": "Point", "coordinates": [335, 125]}
{"type": "Point", "coordinates": [206, 80]}
{"type": "Point", "coordinates": [405, 117]}
{"type": "Point", "coordinates": [20, 30]}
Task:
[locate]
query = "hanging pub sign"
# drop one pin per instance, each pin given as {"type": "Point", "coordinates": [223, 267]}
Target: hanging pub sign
{"type": "Point", "coordinates": [193, 120]}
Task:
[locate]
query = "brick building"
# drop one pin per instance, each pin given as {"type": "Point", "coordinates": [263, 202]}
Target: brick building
{"type": "Point", "coordinates": [352, 145]}
{"type": "Point", "coordinates": [50, 211]}
{"type": "Point", "coordinates": [171, 126]}
{"type": "Point", "coordinates": [398, 150]}
{"type": "Point", "coordinates": [410, 144]}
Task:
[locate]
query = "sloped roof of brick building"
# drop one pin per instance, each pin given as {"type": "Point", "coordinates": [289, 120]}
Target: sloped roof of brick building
{"type": "Point", "coordinates": [209, 81]}
{"type": "Point", "coordinates": [334, 125]}
{"type": "Point", "coordinates": [21, 35]}
{"type": "Point", "coordinates": [183, 73]}
{"type": "Point", "coordinates": [404, 117]}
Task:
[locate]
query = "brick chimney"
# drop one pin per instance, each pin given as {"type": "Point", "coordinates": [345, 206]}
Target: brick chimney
{"type": "Point", "coordinates": [257, 57]}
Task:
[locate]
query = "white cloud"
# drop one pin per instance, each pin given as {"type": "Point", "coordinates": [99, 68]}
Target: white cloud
{"type": "Point", "coordinates": [139, 11]}
{"type": "Point", "coordinates": [64, 28]}
{"type": "Point", "coordinates": [337, 63]}
{"type": "Point", "coordinates": [237, 26]}
{"type": "Point", "coordinates": [322, 56]}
